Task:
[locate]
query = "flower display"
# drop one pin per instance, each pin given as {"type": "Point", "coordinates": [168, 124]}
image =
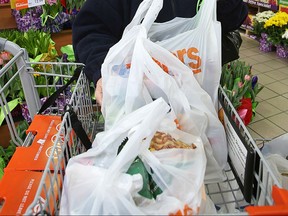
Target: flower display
{"type": "Point", "coordinates": [276, 26]}
{"type": "Point", "coordinates": [28, 19]}
{"type": "Point", "coordinates": [40, 47]}
{"type": "Point", "coordinates": [53, 16]}
{"type": "Point", "coordinates": [259, 20]}
{"type": "Point", "coordinates": [72, 6]}
{"type": "Point", "coordinates": [241, 88]}
{"type": "Point", "coordinates": [285, 38]}
{"type": "Point", "coordinates": [4, 1]}
{"type": "Point", "coordinates": [49, 17]}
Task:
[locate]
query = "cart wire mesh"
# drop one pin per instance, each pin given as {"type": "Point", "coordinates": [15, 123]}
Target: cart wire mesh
{"type": "Point", "coordinates": [38, 80]}
{"type": "Point", "coordinates": [228, 196]}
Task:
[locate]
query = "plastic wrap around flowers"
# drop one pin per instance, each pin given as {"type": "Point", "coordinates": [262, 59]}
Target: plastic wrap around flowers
{"type": "Point", "coordinates": [241, 88]}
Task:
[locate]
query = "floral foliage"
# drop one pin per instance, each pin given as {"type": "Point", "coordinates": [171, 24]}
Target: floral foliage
{"type": "Point", "coordinates": [49, 17]}
{"type": "Point", "coordinates": [259, 20]}
{"type": "Point", "coordinates": [276, 27]}
{"type": "Point", "coordinates": [28, 19]}
{"type": "Point", "coordinates": [285, 38]}
{"type": "Point", "coordinates": [241, 88]}
{"type": "Point", "coordinates": [4, 1]}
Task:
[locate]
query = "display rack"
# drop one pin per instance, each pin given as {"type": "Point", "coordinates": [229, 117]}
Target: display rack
{"type": "Point", "coordinates": [253, 8]}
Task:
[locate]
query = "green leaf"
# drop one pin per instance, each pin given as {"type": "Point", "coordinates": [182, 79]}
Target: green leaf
{"type": "Point", "coordinates": [68, 49]}
{"type": "Point", "coordinates": [2, 166]}
{"type": "Point", "coordinates": [11, 105]}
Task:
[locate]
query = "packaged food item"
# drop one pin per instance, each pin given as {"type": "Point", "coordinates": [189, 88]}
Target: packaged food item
{"type": "Point", "coordinates": [163, 140]}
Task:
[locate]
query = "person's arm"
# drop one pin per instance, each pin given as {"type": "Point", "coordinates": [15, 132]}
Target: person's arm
{"type": "Point", "coordinates": [231, 14]}
{"type": "Point", "coordinates": [97, 27]}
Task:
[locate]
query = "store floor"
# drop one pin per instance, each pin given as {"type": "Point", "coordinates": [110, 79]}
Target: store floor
{"type": "Point", "coordinates": [271, 119]}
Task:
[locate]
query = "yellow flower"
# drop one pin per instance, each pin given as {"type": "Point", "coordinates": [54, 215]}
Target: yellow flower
{"type": "Point", "coordinates": [280, 19]}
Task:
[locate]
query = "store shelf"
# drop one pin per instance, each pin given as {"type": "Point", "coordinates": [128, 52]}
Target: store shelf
{"type": "Point", "coordinates": [269, 5]}
{"type": "Point", "coordinates": [62, 38]}
{"type": "Point", "coordinates": [7, 19]}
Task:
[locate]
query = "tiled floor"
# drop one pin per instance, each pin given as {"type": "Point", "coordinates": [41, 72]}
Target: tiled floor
{"type": "Point", "coordinates": [271, 118]}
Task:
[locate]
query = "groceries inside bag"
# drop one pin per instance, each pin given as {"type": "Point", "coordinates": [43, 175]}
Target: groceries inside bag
{"type": "Point", "coordinates": [97, 182]}
{"type": "Point", "coordinates": [136, 71]}
{"type": "Point", "coordinates": [196, 41]}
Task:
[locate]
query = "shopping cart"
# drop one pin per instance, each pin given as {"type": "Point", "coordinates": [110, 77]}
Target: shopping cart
{"type": "Point", "coordinates": [250, 181]}
{"type": "Point", "coordinates": [42, 181]}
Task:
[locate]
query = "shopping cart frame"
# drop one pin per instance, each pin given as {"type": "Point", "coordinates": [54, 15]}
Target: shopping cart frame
{"type": "Point", "coordinates": [257, 190]}
{"type": "Point", "coordinates": [81, 103]}
{"type": "Point", "coordinates": [262, 189]}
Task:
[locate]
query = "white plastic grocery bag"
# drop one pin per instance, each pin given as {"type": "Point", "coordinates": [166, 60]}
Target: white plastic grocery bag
{"type": "Point", "coordinates": [97, 175]}
{"type": "Point", "coordinates": [95, 183]}
{"type": "Point", "coordinates": [196, 115]}
{"type": "Point", "coordinates": [131, 76]}
{"type": "Point", "coordinates": [195, 41]}
{"type": "Point", "coordinates": [215, 132]}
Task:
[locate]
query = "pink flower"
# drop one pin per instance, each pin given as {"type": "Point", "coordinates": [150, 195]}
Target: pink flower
{"type": "Point", "coordinates": [5, 56]}
{"type": "Point", "coordinates": [247, 77]}
{"type": "Point", "coordinates": [51, 2]}
{"type": "Point", "coordinates": [1, 61]}
{"type": "Point", "coordinates": [240, 84]}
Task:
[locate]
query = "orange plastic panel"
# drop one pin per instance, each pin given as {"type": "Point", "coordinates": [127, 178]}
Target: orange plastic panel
{"type": "Point", "coordinates": [18, 189]}
{"type": "Point", "coordinates": [280, 197]}
{"type": "Point", "coordinates": [35, 156]}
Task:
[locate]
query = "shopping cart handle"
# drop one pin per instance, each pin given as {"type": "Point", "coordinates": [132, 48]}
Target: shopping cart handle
{"type": "Point", "coordinates": [2, 44]}
{"type": "Point", "coordinates": [280, 207]}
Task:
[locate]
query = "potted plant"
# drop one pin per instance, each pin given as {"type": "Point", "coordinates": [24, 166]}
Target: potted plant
{"type": "Point", "coordinates": [275, 28]}
{"type": "Point", "coordinates": [260, 32]}
{"type": "Point", "coordinates": [49, 17]}
{"type": "Point", "coordinates": [241, 87]}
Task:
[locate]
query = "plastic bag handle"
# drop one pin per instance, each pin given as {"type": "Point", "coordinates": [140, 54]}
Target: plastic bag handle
{"type": "Point", "coordinates": [207, 12]}
{"type": "Point", "coordinates": [139, 138]}
{"type": "Point", "coordinates": [152, 14]}
{"type": "Point", "coordinates": [147, 11]}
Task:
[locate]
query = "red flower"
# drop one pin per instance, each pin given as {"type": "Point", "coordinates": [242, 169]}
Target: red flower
{"type": "Point", "coordinates": [63, 3]}
{"type": "Point", "coordinates": [245, 110]}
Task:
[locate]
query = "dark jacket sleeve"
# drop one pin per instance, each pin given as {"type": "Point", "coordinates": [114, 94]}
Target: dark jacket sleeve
{"type": "Point", "coordinates": [100, 24]}
{"type": "Point", "coordinates": [231, 14]}
{"type": "Point", "coordinates": [97, 27]}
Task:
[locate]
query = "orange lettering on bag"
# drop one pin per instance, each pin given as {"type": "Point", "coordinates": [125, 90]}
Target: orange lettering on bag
{"type": "Point", "coordinates": [180, 54]}
{"type": "Point", "coordinates": [187, 211]}
{"type": "Point", "coordinates": [192, 55]}
{"type": "Point", "coordinates": [177, 124]}
{"type": "Point", "coordinates": [163, 66]}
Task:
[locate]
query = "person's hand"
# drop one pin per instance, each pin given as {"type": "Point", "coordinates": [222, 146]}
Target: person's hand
{"type": "Point", "coordinates": [99, 92]}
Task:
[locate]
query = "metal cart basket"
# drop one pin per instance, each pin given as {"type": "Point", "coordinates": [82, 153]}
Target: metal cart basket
{"type": "Point", "coordinates": [247, 184]}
